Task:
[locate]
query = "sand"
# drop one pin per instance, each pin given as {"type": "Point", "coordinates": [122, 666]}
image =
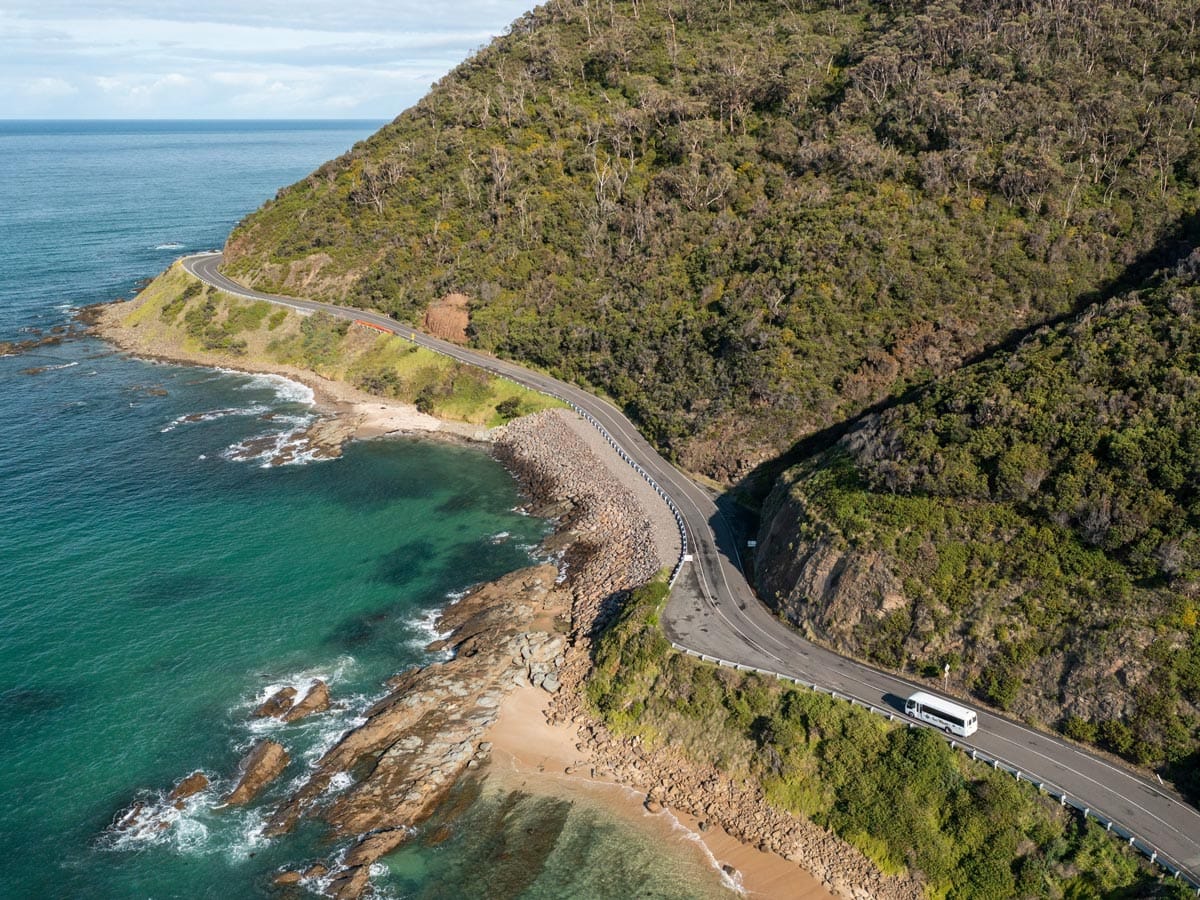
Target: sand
{"type": "Point", "coordinates": [533, 755]}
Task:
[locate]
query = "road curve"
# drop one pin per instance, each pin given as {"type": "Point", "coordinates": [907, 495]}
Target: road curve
{"type": "Point", "coordinates": [714, 612]}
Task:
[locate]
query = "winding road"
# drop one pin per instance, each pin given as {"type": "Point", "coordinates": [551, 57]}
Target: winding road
{"type": "Point", "coordinates": [713, 612]}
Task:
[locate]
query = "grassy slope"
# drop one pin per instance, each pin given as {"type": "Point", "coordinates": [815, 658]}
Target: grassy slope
{"type": "Point", "coordinates": [900, 795]}
{"type": "Point", "coordinates": [178, 310]}
{"type": "Point", "coordinates": [747, 221]}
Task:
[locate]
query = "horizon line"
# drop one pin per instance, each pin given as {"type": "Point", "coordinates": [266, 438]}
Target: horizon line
{"type": "Point", "coordinates": [196, 119]}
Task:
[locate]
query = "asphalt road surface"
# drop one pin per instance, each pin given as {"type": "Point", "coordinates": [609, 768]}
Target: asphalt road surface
{"type": "Point", "coordinates": [713, 611]}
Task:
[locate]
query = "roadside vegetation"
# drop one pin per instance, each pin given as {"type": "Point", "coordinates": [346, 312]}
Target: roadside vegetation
{"type": "Point", "coordinates": [900, 795]}
{"type": "Point", "coordinates": [1040, 515]}
{"type": "Point", "coordinates": [179, 309]}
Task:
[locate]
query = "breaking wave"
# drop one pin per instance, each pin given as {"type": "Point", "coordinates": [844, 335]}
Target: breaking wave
{"type": "Point", "coordinates": [286, 390]}
{"type": "Point", "coordinates": [212, 416]}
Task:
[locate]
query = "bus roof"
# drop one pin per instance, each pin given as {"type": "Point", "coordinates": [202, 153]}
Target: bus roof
{"type": "Point", "coordinates": [949, 706]}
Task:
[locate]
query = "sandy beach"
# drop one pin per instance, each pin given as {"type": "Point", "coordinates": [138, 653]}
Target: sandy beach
{"type": "Point", "coordinates": [531, 754]}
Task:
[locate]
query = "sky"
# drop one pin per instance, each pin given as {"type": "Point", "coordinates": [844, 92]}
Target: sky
{"type": "Point", "coordinates": [235, 59]}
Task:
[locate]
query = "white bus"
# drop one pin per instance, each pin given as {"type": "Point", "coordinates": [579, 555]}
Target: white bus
{"type": "Point", "coordinates": [945, 715]}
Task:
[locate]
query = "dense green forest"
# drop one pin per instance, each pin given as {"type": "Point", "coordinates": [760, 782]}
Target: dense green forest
{"type": "Point", "coordinates": [903, 796]}
{"type": "Point", "coordinates": [747, 221]}
{"type": "Point", "coordinates": [1039, 514]}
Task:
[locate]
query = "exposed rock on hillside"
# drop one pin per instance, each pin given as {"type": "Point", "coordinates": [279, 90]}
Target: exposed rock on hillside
{"type": "Point", "coordinates": [448, 318]}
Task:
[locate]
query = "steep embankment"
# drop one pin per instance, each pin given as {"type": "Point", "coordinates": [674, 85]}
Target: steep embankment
{"type": "Point", "coordinates": [748, 221]}
{"type": "Point", "coordinates": [1031, 521]}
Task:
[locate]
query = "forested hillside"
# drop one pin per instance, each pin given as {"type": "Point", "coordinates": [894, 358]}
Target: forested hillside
{"type": "Point", "coordinates": [747, 221]}
{"type": "Point", "coordinates": [1033, 521]}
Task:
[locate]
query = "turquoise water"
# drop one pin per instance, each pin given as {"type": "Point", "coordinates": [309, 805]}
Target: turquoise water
{"type": "Point", "coordinates": [156, 586]}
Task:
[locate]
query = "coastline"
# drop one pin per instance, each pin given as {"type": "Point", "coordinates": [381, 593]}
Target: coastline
{"type": "Point", "coordinates": [348, 413]}
{"type": "Point", "coordinates": [610, 539]}
{"type": "Point", "coordinates": [531, 754]}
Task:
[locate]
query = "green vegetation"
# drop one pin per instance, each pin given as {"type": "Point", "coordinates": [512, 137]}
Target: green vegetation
{"type": "Point", "coordinates": [900, 795]}
{"type": "Point", "coordinates": [1042, 511]}
{"type": "Point", "coordinates": [748, 221]}
{"type": "Point", "coordinates": [183, 310]}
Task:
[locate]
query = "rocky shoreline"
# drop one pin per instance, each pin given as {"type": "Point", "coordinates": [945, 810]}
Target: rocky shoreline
{"type": "Point", "coordinates": [531, 628]}
{"type": "Point", "coordinates": [614, 561]}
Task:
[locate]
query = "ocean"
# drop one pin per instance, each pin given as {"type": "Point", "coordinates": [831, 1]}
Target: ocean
{"type": "Point", "coordinates": [157, 585]}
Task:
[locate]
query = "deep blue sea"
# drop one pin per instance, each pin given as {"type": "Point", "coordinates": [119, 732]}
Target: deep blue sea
{"type": "Point", "coordinates": [153, 589]}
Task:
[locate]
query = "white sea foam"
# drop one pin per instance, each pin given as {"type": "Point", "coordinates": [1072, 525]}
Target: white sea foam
{"type": "Point", "coordinates": [168, 245]}
{"type": "Point", "coordinates": [63, 366]}
{"type": "Point", "coordinates": [156, 821]}
{"type": "Point", "coordinates": [282, 448]}
{"type": "Point", "coordinates": [425, 626]}
{"type": "Point", "coordinates": [212, 416]}
{"type": "Point", "coordinates": [249, 837]}
{"type": "Point", "coordinates": [732, 882]}
{"type": "Point", "coordinates": [286, 389]}
{"type": "Point", "coordinates": [328, 728]}
{"type": "Point", "coordinates": [500, 537]}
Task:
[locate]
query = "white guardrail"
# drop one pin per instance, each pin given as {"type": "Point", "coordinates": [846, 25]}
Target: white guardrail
{"type": "Point", "coordinates": [1143, 846]}
{"type": "Point", "coordinates": [612, 442]}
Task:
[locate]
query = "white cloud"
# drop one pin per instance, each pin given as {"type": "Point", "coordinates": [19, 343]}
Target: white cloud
{"type": "Point", "coordinates": [273, 58]}
{"type": "Point", "coordinates": [49, 87]}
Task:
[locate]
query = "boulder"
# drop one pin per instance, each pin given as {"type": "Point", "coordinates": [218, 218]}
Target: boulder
{"type": "Point", "coordinates": [261, 766]}
{"type": "Point", "coordinates": [315, 701]}
{"type": "Point", "coordinates": [190, 786]}
{"type": "Point", "coordinates": [277, 704]}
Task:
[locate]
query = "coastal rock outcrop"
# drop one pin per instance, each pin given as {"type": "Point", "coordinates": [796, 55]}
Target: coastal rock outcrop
{"type": "Point", "coordinates": [315, 701]}
{"type": "Point", "coordinates": [283, 703]}
{"type": "Point", "coordinates": [419, 739]}
{"type": "Point", "coordinates": [188, 787]}
{"type": "Point", "coordinates": [277, 704]}
{"type": "Point", "coordinates": [260, 767]}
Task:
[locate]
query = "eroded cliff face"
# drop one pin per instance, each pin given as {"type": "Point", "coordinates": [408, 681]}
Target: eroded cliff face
{"type": "Point", "coordinates": [848, 592]}
{"type": "Point", "coordinates": [830, 589]}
